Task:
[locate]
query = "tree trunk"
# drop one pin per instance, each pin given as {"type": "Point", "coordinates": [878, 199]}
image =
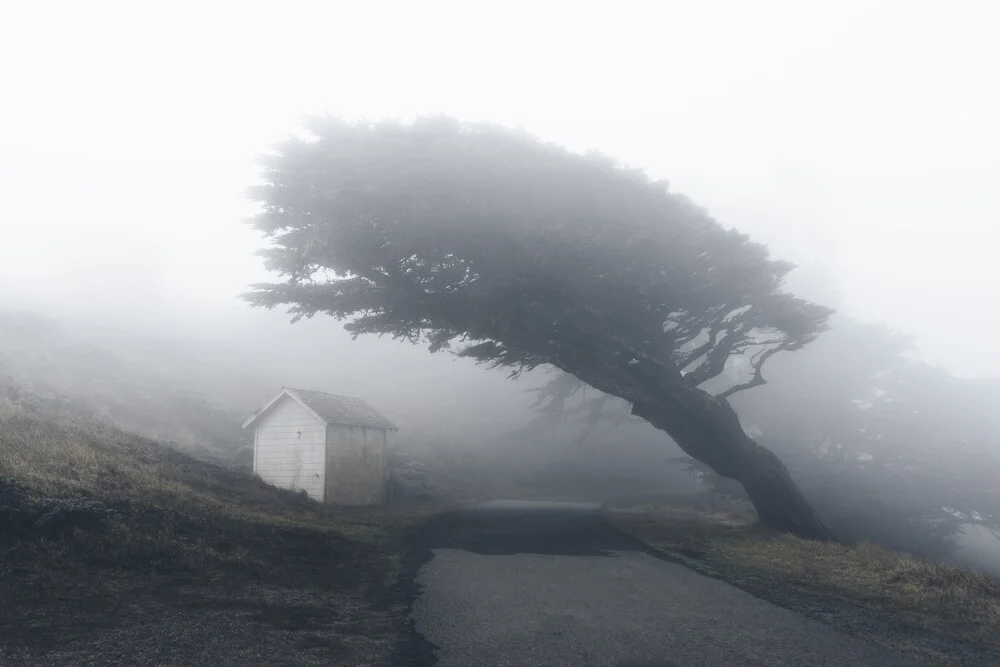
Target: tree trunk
{"type": "Point", "coordinates": [708, 429]}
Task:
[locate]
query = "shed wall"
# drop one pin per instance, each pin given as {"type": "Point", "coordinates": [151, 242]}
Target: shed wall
{"type": "Point", "coordinates": [356, 469]}
{"type": "Point", "coordinates": [289, 449]}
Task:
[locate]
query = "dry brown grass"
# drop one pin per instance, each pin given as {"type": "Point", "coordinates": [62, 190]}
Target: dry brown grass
{"type": "Point", "coordinates": [199, 542]}
{"type": "Point", "coordinates": [167, 504]}
{"type": "Point", "coordinates": [941, 596]}
{"type": "Point", "coordinates": [953, 601]}
{"type": "Point", "coordinates": [60, 459]}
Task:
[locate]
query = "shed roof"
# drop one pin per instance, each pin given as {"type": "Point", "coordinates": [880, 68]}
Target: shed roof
{"type": "Point", "coordinates": [330, 408]}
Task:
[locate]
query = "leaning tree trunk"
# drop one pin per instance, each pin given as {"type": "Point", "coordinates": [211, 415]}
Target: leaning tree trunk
{"type": "Point", "coordinates": [708, 429]}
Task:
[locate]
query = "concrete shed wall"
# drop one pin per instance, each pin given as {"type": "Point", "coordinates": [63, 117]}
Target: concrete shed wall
{"type": "Point", "coordinates": [289, 448]}
{"type": "Point", "coordinates": [356, 471]}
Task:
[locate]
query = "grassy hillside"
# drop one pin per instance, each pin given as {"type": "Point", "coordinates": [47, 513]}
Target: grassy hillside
{"type": "Point", "coordinates": [195, 394]}
{"type": "Point", "coordinates": [196, 389]}
{"type": "Point", "coordinates": [929, 610]}
{"type": "Point", "coordinates": [161, 388]}
{"type": "Point", "coordinates": [112, 544]}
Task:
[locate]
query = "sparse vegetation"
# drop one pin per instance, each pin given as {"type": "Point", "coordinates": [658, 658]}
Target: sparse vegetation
{"type": "Point", "coordinates": [156, 388]}
{"type": "Point", "coordinates": [103, 533]}
{"type": "Point", "coordinates": [950, 602]}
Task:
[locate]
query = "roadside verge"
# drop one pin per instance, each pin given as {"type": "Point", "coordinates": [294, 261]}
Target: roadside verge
{"type": "Point", "coordinates": [928, 610]}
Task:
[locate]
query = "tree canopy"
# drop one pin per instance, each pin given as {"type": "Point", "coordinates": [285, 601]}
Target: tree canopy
{"type": "Point", "coordinates": [527, 254]}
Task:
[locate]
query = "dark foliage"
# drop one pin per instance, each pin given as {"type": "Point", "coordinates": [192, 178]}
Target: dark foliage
{"type": "Point", "coordinates": [532, 255]}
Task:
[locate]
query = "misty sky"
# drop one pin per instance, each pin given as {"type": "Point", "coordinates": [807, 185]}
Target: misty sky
{"type": "Point", "coordinates": [859, 139]}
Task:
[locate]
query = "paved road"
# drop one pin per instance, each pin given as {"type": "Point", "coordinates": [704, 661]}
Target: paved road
{"type": "Point", "coordinates": [552, 584]}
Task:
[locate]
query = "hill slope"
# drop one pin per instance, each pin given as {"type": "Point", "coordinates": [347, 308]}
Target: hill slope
{"type": "Point", "coordinates": [113, 545]}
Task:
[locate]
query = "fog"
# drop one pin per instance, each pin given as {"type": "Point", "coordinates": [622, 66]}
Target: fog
{"type": "Point", "coordinates": [858, 140]}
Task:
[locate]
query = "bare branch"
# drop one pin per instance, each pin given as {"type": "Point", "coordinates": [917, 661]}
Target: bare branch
{"type": "Point", "coordinates": [686, 359]}
{"type": "Point", "coordinates": [733, 342]}
{"type": "Point", "coordinates": [736, 324]}
{"type": "Point", "coordinates": [758, 377]}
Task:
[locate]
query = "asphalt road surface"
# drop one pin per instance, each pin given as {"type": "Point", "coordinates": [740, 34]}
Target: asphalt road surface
{"type": "Point", "coordinates": [524, 583]}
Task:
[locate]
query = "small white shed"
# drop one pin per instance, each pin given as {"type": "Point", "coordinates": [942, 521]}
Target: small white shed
{"type": "Point", "coordinates": [332, 447]}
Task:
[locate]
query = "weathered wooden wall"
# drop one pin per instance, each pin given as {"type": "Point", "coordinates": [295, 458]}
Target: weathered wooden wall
{"type": "Point", "coordinates": [289, 448]}
{"type": "Point", "coordinates": [356, 472]}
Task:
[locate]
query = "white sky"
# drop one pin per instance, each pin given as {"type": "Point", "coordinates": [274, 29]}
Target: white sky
{"type": "Point", "coordinates": [860, 138]}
